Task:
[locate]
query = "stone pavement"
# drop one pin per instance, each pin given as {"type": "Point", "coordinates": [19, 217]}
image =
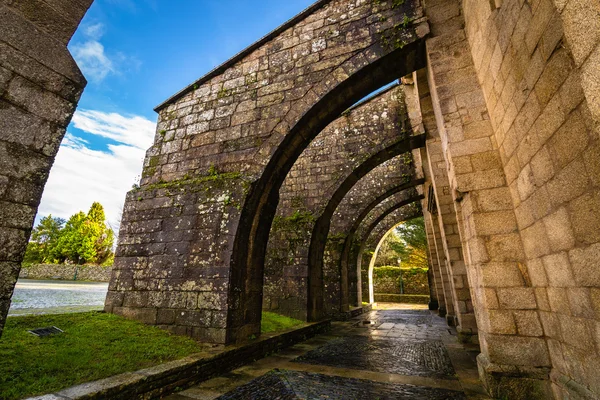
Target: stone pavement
{"type": "Point", "coordinates": [384, 354]}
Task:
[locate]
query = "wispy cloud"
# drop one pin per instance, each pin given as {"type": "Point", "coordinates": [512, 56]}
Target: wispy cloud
{"type": "Point", "coordinates": [93, 59]}
{"type": "Point", "coordinates": [94, 31]}
{"type": "Point", "coordinates": [82, 175]}
{"type": "Point", "coordinates": [132, 130]}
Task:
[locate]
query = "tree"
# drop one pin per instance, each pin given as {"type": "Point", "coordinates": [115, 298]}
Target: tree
{"type": "Point", "coordinates": [412, 246]}
{"type": "Point", "coordinates": [387, 255]}
{"type": "Point", "coordinates": [85, 238]}
{"type": "Point", "coordinates": [77, 239]}
{"type": "Point", "coordinates": [44, 238]}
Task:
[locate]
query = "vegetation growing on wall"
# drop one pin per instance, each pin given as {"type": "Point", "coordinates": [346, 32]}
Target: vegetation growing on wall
{"type": "Point", "coordinates": [82, 239]}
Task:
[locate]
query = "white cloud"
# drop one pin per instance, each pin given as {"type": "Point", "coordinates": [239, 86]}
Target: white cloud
{"type": "Point", "coordinates": [131, 130]}
{"type": "Point", "coordinates": [81, 175]}
{"type": "Point", "coordinates": [91, 59]}
{"type": "Point", "coordinates": [94, 31]}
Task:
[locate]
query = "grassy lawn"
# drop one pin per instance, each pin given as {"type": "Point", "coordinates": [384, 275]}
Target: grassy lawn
{"type": "Point", "coordinates": [94, 346]}
{"type": "Point", "coordinates": [272, 322]}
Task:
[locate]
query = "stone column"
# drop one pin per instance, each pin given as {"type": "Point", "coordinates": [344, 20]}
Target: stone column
{"type": "Point", "coordinates": [436, 287]}
{"type": "Point", "coordinates": [514, 362]}
{"type": "Point", "coordinates": [40, 85]}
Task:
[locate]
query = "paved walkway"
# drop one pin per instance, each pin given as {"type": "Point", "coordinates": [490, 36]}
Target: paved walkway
{"type": "Point", "coordinates": [384, 354]}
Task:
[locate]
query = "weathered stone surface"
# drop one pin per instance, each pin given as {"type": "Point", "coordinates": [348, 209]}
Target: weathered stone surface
{"type": "Point", "coordinates": [40, 85]}
{"type": "Point", "coordinates": [507, 108]}
{"type": "Point", "coordinates": [248, 123]}
{"type": "Point", "coordinates": [284, 384]}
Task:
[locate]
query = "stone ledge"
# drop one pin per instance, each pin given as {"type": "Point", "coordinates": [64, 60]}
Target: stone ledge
{"type": "Point", "coordinates": [574, 389]}
{"type": "Point", "coordinates": [353, 312]}
{"type": "Point", "coordinates": [514, 382]}
{"type": "Point", "coordinates": [402, 298]}
{"type": "Point", "coordinates": [162, 379]}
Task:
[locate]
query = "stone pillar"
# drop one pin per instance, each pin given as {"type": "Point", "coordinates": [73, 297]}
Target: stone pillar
{"type": "Point", "coordinates": [40, 85]}
{"type": "Point", "coordinates": [514, 361]}
{"type": "Point", "coordinates": [435, 285]}
{"type": "Point", "coordinates": [445, 278]}
{"type": "Point", "coordinates": [538, 66]}
{"type": "Point", "coordinates": [450, 239]}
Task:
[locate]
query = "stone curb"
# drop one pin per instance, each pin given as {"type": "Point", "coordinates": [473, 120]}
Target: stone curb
{"type": "Point", "coordinates": [355, 312]}
{"type": "Point", "coordinates": [162, 379]}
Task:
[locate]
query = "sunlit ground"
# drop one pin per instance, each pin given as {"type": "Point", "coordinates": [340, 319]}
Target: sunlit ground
{"type": "Point", "coordinates": [399, 306]}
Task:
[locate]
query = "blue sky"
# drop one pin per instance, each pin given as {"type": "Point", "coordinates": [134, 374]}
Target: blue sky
{"type": "Point", "coordinates": [135, 54]}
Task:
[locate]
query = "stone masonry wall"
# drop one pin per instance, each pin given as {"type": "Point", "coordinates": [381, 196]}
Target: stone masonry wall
{"type": "Point", "coordinates": [191, 253]}
{"type": "Point", "coordinates": [375, 234]}
{"type": "Point", "coordinates": [335, 154]}
{"type": "Point", "coordinates": [40, 85]}
{"type": "Point", "coordinates": [538, 64]}
{"type": "Point", "coordinates": [90, 273]}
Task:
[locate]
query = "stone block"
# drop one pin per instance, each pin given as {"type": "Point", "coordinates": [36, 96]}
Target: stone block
{"type": "Point", "coordinates": [585, 217]}
{"type": "Point", "coordinates": [537, 273]}
{"type": "Point", "coordinates": [501, 322]}
{"type": "Point", "coordinates": [528, 323]}
{"type": "Point", "coordinates": [580, 302]}
{"type": "Point", "coordinates": [516, 298]}
{"type": "Point", "coordinates": [559, 301]}
{"type": "Point", "coordinates": [569, 141]}
{"type": "Point", "coordinates": [584, 263]}
{"type": "Point", "coordinates": [581, 23]}
{"type": "Point", "coordinates": [559, 231]}
{"type": "Point", "coordinates": [558, 270]}
{"type": "Point", "coordinates": [568, 184]}
{"type": "Point", "coordinates": [505, 248]}
{"type": "Point", "coordinates": [591, 82]}
{"type": "Point", "coordinates": [517, 350]}
{"type": "Point", "coordinates": [535, 240]}
{"type": "Point", "coordinates": [575, 332]}
{"type": "Point", "coordinates": [541, 297]}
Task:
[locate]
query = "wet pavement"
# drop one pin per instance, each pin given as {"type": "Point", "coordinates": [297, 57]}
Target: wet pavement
{"type": "Point", "coordinates": [56, 297]}
{"type": "Point", "coordinates": [392, 353]}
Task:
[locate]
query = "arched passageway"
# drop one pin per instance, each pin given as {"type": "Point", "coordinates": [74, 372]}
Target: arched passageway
{"type": "Point", "coordinates": [508, 98]}
{"type": "Point", "coordinates": [283, 110]}
{"type": "Point", "coordinates": [359, 149]}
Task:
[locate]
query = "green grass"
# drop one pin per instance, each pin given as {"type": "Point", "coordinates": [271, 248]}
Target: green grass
{"type": "Point", "coordinates": [94, 346]}
{"type": "Point", "coordinates": [272, 322]}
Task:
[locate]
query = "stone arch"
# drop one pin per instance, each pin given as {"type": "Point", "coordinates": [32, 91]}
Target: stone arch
{"type": "Point", "coordinates": [376, 231]}
{"type": "Point", "coordinates": [365, 135]}
{"type": "Point", "coordinates": [349, 226]}
{"type": "Point", "coordinates": [370, 284]}
{"type": "Point", "coordinates": [231, 138]}
{"type": "Point", "coordinates": [258, 212]}
{"type": "Point", "coordinates": [321, 228]}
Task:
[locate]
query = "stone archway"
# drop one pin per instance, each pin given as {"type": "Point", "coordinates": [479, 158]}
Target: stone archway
{"type": "Point", "coordinates": [359, 142]}
{"type": "Point", "coordinates": [374, 235]}
{"type": "Point", "coordinates": [226, 144]}
{"type": "Point", "coordinates": [40, 86]}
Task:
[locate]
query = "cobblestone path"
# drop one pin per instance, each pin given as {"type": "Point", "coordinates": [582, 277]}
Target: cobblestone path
{"type": "Point", "coordinates": [384, 354]}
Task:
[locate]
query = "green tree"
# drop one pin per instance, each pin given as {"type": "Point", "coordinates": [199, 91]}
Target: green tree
{"type": "Point", "coordinates": [76, 242]}
{"type": "Point", "coordinates": [412, 246]}
{"type": "Point", "coordinates": [387, 255]}
{"type": "Point", "coordinates": [44, 239]}
{"type": "Point", "coordinates": [85, 238]}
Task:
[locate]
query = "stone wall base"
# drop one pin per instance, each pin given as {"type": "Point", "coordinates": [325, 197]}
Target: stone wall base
{"type": "Point", "coordinates": [433, 305]}
{"type": "Point", "coordinates": [566, 388]}
{"type": "Point", "coordinates": [512, 382]}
